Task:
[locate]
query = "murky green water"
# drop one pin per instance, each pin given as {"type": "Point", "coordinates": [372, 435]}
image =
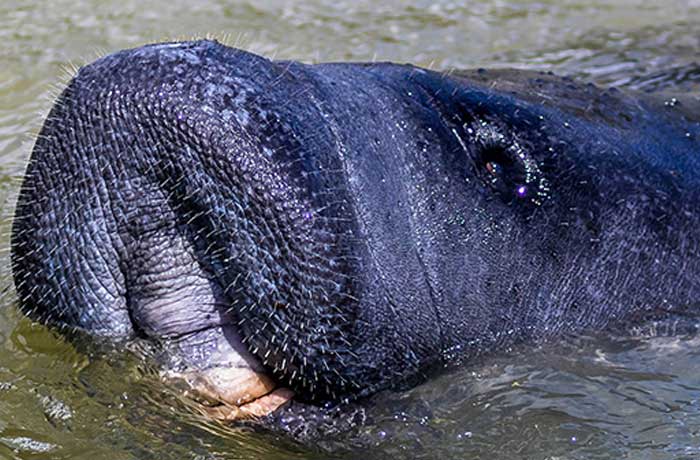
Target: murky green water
{"type": "Point", "coordinates": [589, 398]}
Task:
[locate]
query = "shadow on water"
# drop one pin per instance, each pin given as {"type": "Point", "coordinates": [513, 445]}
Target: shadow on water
{"type": "Point", "coordinates": [591, 397]}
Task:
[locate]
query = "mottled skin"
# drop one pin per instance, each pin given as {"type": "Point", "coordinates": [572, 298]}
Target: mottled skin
{"type": "Point", "coordinates": [353, 225]}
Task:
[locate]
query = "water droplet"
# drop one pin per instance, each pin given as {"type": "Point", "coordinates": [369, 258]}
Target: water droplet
{"type": "Point", "coordinates": [465, 435]}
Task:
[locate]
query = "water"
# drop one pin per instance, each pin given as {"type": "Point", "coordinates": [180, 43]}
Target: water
{"type": "Point", "coordinates": [593, 397]}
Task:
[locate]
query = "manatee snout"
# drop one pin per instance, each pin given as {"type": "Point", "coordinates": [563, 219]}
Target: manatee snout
{"type": "Point", "coordinates": [158, 204]}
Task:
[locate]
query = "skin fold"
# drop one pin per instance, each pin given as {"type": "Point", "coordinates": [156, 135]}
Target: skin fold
{"type": "Point", "coordinates": [332, 230]}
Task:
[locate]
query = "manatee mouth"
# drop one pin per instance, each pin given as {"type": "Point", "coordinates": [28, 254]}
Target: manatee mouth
{"type": "Point", "coordinates": [227, 381]}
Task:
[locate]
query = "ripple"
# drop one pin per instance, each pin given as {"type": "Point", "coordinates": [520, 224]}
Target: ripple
{"type": "Point", "coordinates": [594, 397]}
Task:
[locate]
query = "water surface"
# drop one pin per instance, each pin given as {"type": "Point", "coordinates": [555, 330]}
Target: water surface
{"type": "Point", "coordinates": [592, 397]}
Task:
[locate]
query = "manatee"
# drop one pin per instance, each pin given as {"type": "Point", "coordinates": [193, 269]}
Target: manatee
{"type": "Point", "coordinates": [323, 232]}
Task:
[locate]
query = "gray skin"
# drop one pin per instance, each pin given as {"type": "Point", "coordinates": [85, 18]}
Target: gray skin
{"type": "Point", "coordinates": [351, 227]}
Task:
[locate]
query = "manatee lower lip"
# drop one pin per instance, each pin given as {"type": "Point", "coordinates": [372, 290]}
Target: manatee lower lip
{"type": "Point", "coordinates": [228, 381]}
{"type": "Point", "coordinates": [228, 385]}
{"type": "Point", "coordinates": [258, 407]}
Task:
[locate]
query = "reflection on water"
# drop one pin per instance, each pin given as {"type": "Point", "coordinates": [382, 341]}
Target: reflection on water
{"type": "Point", "coordinates": [595, 397]}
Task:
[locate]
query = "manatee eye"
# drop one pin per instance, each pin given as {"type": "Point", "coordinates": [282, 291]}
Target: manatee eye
{"type": "Point", "coordinates": [501, 170]}
{"type": "Point", "coordinates": [505, 164]}
{"type": "Point", "coordinates": [494, 168]}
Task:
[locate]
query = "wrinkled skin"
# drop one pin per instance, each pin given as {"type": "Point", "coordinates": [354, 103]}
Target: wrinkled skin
{"type": "Point", "coordinates": [337, 229]}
